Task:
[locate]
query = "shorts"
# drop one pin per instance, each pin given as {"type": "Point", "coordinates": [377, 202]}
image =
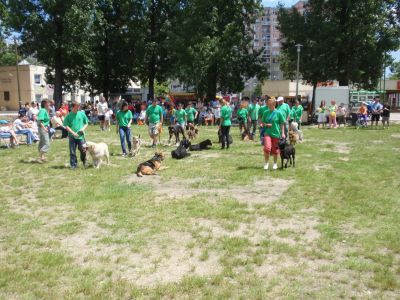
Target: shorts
{"type": "Point", "coordinates": [154, 129]}
{"type": "Point", "coordinates": [341, 119]}
{"type": "Point", "coordinates": [101, 117]}
{"type": "Point", "coordinates": [375, 117]}
{"type": "Point", "coordinates": [271, 145]}
{"type": "Point", "coordinates": [385, 119]}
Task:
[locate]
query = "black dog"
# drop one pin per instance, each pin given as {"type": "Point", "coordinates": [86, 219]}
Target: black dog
{"type": "Point", "coordinates": [176, 130]}
{"type": "Point", "coordinates": [288, 152]}
{"type": "Point", "coordinates": [230, 142]}
{"type": "Point", "coordinates": [204, 145]}
{"type": "Point", "coordinates": [181, 151]}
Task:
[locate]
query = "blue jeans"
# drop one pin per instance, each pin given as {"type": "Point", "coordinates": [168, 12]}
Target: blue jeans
{"type": "Point", "coordinates": [73, 143]}
{"type": "Point", "coordinates": [125, 133]}
{"type": "Point", "coordinates": [29, 135]}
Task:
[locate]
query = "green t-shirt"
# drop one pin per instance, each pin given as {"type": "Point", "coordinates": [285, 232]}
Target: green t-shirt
{"type": "Point", "coordinates": [253, 111]}
{"type": "Point", "coordinates": [226, 114]}
{"type": "Point", "coordinates": [180, 115]}
{"type": "Point", "coordinates": [191, 112]}
{"type": "Point", "coordinates": [262, 110]}
{"type": "Point", "coordinates": [124, 117]}
{"type": "Point", "coordinates": [76, 121]}
{"type": "Point", "coordinates": [284, 108]}
{"type": "Point", "coordinates": [43, 116]}
{"type": "Point", "coordinates": [154, 114]}
{"type": "Point", "coordinates": [242, 114]}
{"type": "Point", "coordinates": [275, 118]}
{"type": "Point", "coordinates": [297, 113]}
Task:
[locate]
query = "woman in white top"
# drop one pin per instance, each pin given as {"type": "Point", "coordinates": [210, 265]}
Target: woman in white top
{"type": "Point", "coordinates": [102, 107]}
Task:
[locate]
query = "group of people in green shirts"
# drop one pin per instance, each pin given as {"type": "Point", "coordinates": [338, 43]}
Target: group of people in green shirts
{"type": "Point", "coordinates": [273, 119]}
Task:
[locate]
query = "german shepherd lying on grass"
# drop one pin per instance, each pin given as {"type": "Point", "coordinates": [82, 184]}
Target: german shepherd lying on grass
{"type": "Point", "coordinates": [151, 166]}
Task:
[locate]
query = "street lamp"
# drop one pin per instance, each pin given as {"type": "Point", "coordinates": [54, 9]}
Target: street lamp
{"type": "Point", "coordinates": [298, 46]}
{"type": "Point", "coordinates": [17, 66]}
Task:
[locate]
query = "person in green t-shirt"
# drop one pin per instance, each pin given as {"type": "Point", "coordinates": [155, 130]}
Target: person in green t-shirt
{"type": "Point", "coordinates": [124, 122]}
{"type": "Point", "coordinates": [297, 112]}
{"type": "Point", "coordinates": [253, 116]}
{"type": "Point", "coordinates": [155, 119]}
{"type": "Point", "coordinates": [263, 109]}
{"type": "Point", "coordinates": [76, 123]}
{"type": "Point", "coordinates": [284, 108]}
{"type": "Point", "coordinates": [181, 116]}
{"type": "Point", "coordinates": [225, 127]}
{"type": "Point", "coordinates": [242, 116]}
{"type": "Point", "coordinates": [43, 122]}
{"type": "Point", "coordinates": [273, 121]}
{"type": "Point", "coordinates": [192, 113]}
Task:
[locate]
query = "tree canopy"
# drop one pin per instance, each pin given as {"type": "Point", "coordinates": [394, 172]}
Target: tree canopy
{"type": "Point", "coordinates": [342, 40]}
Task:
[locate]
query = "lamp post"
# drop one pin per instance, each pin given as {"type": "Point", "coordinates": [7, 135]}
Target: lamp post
{"type": "Point", "coordinates": [17, 66]}
{"type": "Point", "coordinates": [298, 46]}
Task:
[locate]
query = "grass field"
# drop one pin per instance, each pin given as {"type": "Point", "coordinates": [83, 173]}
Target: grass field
{"type": "Point", "coordinates": [213, 226]}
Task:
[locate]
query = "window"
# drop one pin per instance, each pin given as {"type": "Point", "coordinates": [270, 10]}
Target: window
{"type": "Point", "coordinates": [83, 98]}
{"type": "Point", "coordinates": [38, 98]}
{"type": "Point", "coordinates": [38, 79]}
{"type": "Point", "coordinates": [6, 96]}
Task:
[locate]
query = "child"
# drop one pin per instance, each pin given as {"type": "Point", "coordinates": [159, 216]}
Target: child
{"type": "Point", "coordinates": [322, 114]}
{"type": "Point", "coordinates": [107, 119]}
{"type": "Point", "coordinates": [385, 116]}
{"type": "Point", "coordinates": [363, 113]}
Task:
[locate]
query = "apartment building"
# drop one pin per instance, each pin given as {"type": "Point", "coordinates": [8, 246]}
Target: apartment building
{"type": "Point", "coordinates": [267, 36]}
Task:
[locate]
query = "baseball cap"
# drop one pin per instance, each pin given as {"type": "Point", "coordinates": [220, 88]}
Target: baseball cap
{"type": "Point", "coordinates": [280, 99]}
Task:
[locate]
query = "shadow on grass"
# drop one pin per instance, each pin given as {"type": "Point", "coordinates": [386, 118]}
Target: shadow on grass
{"type": "Point", "coordinates": [30, 161]}
{"type": "Point", "coordinates": [242, 168]}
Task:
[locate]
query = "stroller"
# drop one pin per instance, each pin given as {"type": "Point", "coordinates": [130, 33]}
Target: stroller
{"type": "Point", "coordinates": [362, 121]}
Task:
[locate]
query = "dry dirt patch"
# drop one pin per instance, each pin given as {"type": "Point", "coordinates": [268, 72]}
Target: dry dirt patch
{"type": "Point", "coordinates": [396, 136]}
{"type": "Point", "coordinates": [322, 167]}
{"type": "Point", "coordinates": [338, 147]}
{"type": "Point", "coordinates": [265, 190]}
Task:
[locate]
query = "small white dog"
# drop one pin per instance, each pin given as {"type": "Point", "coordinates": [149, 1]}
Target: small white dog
{"type": "Point", "coordinates": [136, 144]}
{"type": "Point", "coordinates": [98, 152]}
{"type": "Point", "coordinates": [294, 126]}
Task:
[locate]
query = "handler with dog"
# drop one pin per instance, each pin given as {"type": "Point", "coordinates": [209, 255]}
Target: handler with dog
{"type": "Point", "coordinates": [191, 113]}
{"type": "Point", "coordinates": [75, 123]}
{"type": "Point", "coordinates": [155, 119]}
{"type": "Point", "coordinates": [273, 122]}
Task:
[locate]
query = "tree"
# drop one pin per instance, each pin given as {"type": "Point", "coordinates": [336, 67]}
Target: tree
{"type": "Point", "coordinates": [113, 43]}
{"type": "Point", "coordinates": [343, 40]}
{"type": "Point", "coordinates": [7, 54]}
{"type": "Point", "coordinates": [158, 25]}
{"type": "Point", "coordinates": [258, 90]}
{"type": "Point", "coordinates": [215, 45]}
{"type": "Point", "coordinates": [57, 32]}
{"type": "Point", "coordinates": [395, 70]}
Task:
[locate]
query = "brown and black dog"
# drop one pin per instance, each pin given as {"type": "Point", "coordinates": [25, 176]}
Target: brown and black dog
{"type": "Point", "coordinates": [192, 131]}
{"type": "Point", "coordinates": [151, 166]}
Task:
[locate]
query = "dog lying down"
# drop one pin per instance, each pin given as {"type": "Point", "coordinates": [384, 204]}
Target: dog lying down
{"type": "Point", "coordinates": [288, 152]}
{"type": "Point", "coordinates": [98, 152]}
{"type": "Point", "coordinates": [181, 152]}
{"type": "Point", "coordinates": [151, 166]}
{"type": "Point", "coordinates": [204, 145]}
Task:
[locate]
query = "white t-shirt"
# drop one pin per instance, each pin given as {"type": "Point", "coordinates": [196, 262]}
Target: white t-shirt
{"type": "Point", "coordinates": [217, 113]}
{"type": "Point", "coordinates": [19, 125]}
{"type": "Point", "coordinates": [101, 108]}
{"type": "Point", "coordinates": [108, 114]}
{"type": "Point", "coordinates": [32, 111]}
{"type": "Point", "coordinates": [56, 121]}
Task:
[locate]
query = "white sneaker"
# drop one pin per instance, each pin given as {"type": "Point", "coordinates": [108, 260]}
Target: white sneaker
{"type": "Point", "coordinates": [266, 166]}
{"type": "Point", "coordinates": [275, 167]}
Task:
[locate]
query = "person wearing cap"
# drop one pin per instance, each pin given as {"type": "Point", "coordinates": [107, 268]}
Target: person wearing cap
{"type": "Point", "coordinates": [181, 116]}
{"type": "Point", "coordinates": [154, 118]}
{"type": "Point", "coordinates": [43, 123]}
{"type": "Point", "coordinates": [76, 123]}
{"type": "Point", "coordinates": [284, 108]}
{"type": "Point", "coordinates": [253, 116]}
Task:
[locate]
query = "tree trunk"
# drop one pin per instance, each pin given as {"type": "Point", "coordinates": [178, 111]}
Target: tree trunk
{"type": "Point", "coordinates": [58, 79]}
{"type": "Point", "coordinates": [212, 83]}
{"type": "Point", "coordinates": [313, 98]}
{"type": "Point", "coordinates": [151, 85]}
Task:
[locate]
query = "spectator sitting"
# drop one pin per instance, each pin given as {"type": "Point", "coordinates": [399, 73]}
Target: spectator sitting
{"type": "Point", "coordinates": [57, 124]}
{"type": "Point", "coordinates": [21, 126]}
{"type": "Point", "coordinates": [209, 118]}
{"type": "Point", "coordinates": [217, 114]}
{"type": "Point", "coordinates": [7, 129]}
{"type": "Point", "coordinates": [33, 111]}
{"type": "Point", "coordinates": [363, 112]}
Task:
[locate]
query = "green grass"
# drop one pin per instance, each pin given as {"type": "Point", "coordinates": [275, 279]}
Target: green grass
{"type": "Point", "coordinates": [102, 234]}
